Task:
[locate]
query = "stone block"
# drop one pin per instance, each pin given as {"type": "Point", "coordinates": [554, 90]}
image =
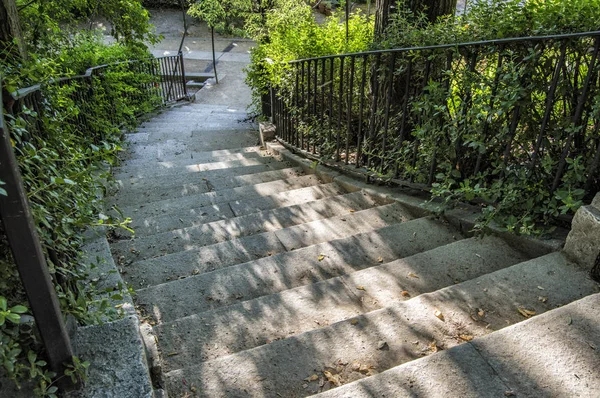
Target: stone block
{"type": "Point", "coordinates": [267, 133]}
{"type": "Point", "coordinates": [583, 242]}
{"type": "Point", "coordinates": [596, 201]}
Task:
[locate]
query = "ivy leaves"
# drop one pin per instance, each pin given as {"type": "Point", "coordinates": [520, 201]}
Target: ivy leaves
{"type": "Point", "coordinates": [12, 314]}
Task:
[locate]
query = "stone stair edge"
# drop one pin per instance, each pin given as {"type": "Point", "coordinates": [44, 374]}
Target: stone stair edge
{"type": "Point", "coordinates": [320, 334]}
{"type": "Point", "coordinates": [187, 229]}
{"type": "Point", "coordinates": [269, 235]}
{"type": "Point", "coordinates": [361, 278]}
{"type": "Point", "coordinates": [481, 372]}
{"type": "Point", "coordinates": [277, 256]}
{"type": "Point", "coordinates": [131, 207]}
{"type": "Point", "coordinates": [463, 218]}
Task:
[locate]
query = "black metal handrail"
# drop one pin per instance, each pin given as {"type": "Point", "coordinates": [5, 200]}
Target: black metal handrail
{"type": "Point", "coordinates": [91, 93]}
{"type": "Point", "coordinates": [491, 110]}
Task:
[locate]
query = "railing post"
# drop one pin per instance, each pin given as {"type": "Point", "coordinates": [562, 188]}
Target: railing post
{"type": "Point", "coordinates": [185, 92]}
{"type": "Point", "coordinates": [29, 257]}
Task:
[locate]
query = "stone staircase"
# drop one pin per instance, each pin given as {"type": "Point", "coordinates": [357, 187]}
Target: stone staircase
{"type": "Point", "coordinates": [262, 281]}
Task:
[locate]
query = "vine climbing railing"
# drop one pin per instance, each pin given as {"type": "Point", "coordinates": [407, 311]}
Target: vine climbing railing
{"type": "Point", "coordinates": [462, 120]}
{"type": "Point", "coordinates": [94, 104]}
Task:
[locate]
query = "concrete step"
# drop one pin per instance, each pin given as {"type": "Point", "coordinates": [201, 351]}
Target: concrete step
{"type": "Point", "coordinates": [266, 221]}
{"type": "Point", "coordinates": [401, 332]}
{"type": "Point", "coordinates": [340, 256]}
{"type": "Point", "coordinates": [131, 190]}
{"type": "Point", "coordinates": [169, 169]}
{"type": "Point", "coordinates": [174, 148]}
{"type": "Point", "coordinates": [190, 159]}
{"type": "Point", "coordinates": [170, 154]}
{"type": "Point", "coordinates": [207, 132]}
{"type": "Point", "coordinates": [268, 194]}
{"type": "Point", "coordinates": [159, 299]}
{"type": "Point", "coordinates": [321, 304]}
{"type": "Point", "coordinates": [189, 217]}
{"type": "Point", "coordinates": [550, 355]}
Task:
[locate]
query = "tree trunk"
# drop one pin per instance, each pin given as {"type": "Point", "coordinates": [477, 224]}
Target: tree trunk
{"type": "Point", "coordinates": [11, 38]}
{"type": "Point", "coordinates": [432, 8]}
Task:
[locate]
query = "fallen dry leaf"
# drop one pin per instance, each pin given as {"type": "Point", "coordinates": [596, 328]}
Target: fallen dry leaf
{"type": "Point", "coordinates": [380, 259]}
{"type": "Point", "coordinates": [438, 314]}
{"type": "Point", "coordinates": [433, 347]}
{"type": "Point", "coordinates": [405, 293]}
{"type": "Point", "coordinates": [413, 275]}
{"type": "Point", "coordinates": [312, 378]}
{"type": "Point", "coordinates": [351, 210]}
{"type": "Point", "coordinates": [481, 313]}
{"type": "Point", "coordinates": [525, 312]}
{"type": "Point", "coordinates": [355, 366]}
{"type": "Point", "coordinates": [465, 337]}
{"type": "Point", "coordinates": [360, 287]}
{"type": "Point", "coordinates": [333, 379]}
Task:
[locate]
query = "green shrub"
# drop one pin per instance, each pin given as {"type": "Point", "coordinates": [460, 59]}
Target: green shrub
{"type": "Point", "coordinates": [291, 32]}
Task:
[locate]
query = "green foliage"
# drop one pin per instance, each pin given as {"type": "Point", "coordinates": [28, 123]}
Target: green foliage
{"type": "Point", "coordinates": [290, 32]}
{"type": "Point", "coordinates": [492, 19]}
{"type": "Point", "coordinates": [232, 17]}
{"type": "Point", "coordinates": [50, 23]}
{"type": "Point", "coordinates": [64, 148]}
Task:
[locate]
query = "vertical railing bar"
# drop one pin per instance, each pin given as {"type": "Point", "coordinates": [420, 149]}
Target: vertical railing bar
{"type": "Point", "coordinates": [388, 104]}
{"type": "Point", "coordinates": [349, 108]}
{"type": "Point", "coordinates": [340, 110]}
{"type": "Point", "coordinates": [360, 110]}
{"type": "Point", "coordinates": [373, 121]}
{"type": "Point", "coordinates": [315, 101]}
{"type": "Point", "coordinates": [303, 106]}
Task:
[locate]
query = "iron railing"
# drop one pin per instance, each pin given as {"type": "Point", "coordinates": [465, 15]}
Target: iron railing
{"type": "Point", "coordinates": [85, 102]}
{"type": "Point", "coordinates": [478, 111]}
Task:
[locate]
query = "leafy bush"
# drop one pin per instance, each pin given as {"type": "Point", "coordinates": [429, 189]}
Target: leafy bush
{"type": "Point", "coordinates": [291, 32]}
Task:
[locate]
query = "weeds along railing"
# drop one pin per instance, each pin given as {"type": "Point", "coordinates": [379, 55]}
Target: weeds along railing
{"type": "Point", "coordinates": [79, 105]}
{"type": "Point", "coordinates": [459, 117]}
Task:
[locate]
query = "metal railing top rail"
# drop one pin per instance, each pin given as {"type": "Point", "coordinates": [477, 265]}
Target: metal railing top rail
{"type": "Point", "coordinates": [454, 45]}
{"type": "Point", "coordinates": [24, 92]}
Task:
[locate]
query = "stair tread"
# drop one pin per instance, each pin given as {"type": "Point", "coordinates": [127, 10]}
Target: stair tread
{"type": "Point", "coordinates": [190, 159]}
{"type": "Point", "coordinates": [347, 253]}
{"type": "Point", "coordinates": [268, 243]}
{"type": "Point", "coordinates": [537, 357]}
{"type": "Point", "coordinates": [399, 325]}
{"type": "Point", "coordinates": [326, 302]}
{"type": "Point", "coordinates": [205, 189]}
{"type": "Point", "coordinates": [169, 168]}
{"type": "Point", "coordinates": [249, 224]}
{"type": "Point", "coordinates": [179, 151]}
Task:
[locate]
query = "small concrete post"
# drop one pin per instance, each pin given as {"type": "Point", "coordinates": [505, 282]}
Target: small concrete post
{"type": "Point", "coordinates": [583, 242]}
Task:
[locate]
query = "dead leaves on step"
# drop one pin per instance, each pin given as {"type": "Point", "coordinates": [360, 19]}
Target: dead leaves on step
{"type": "Point", "coordinates": [334, 376]}
{"type": "Point", "coordinates": [527, 313]}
